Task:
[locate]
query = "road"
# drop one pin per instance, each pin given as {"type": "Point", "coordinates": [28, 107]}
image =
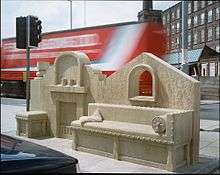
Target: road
{"type": "Point", "coordinates": [209, 111]}
{"type": "Point", "coordinates": [9, 107]}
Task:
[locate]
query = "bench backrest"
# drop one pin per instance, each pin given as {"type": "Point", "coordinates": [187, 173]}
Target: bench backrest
{"type": "Point", "coordinates": [125, 113]}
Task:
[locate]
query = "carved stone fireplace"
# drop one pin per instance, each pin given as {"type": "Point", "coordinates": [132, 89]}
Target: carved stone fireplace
{"type": "Point", "coordinates": [69, 107]}
{"type": "Point", "coordinates": [68, 92]}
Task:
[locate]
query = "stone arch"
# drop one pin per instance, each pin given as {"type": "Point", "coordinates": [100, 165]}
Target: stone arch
{"type": "Point", "coordinates": [69, 66]}
{"type": "Point", "coordinates": [134, 81]}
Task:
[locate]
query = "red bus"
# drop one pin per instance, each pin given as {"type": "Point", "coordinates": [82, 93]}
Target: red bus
{"type": "Point", "coordinates": [108, 47]}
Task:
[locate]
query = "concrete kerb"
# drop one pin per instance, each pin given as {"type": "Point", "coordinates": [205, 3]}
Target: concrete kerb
{"type": "Point", "coordinates": [206, 102]}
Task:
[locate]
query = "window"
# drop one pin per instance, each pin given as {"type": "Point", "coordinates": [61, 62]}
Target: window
{"type": "Point", "coordinates": [177, 13]}
{"type": "Point", "coordinates": [145, 84]}
{"type": "Point", "coordinates": [202, 35]}
{"type": "Point", "coordinates": [177, 26]}
{"type": "Point", "coordinates": [164, 20]}
{"type": "Point", "coordinates": [168, 30]}
{"type": "Point", "coordinates": [210, 16]}
{"type": "Point", "coordinates": [173, 28]}
{"type": "Point", "coordinates": [172, 15]}
{"type": "Point", "coordinates": [204, 69]}
{"type": "Point", "coordinates": [189, 7]}
{"type": "Point", "coordinates": [202, 18]}
{"type": "Point", "coordinates": [177, 42]}
{"type": "Point", "coordinates": [172, 43]}
{"type": "Point", "coordinates": [189, 22]}
{"type": "Point", "coordinates": [209, 2]}
{"type": "Point", "coordinates": [217, 13]}
{"type": "Point", "coordinates": [168, 17]}
{"type": "Point", "coordinates": [202, 4]}
{"type": "Point", "coordinates": [168, 47]}
{"type": "Point", "coordinates": [212, 69]}
{"type": "Point", "coordinates": [195, 39]}
{"type": "Point", "coordinates": [217, 32]}
{"type": "Point", "coordinates": [189, 39]}
{"type": "Point", "coordinates": [209, 34]}
{"type": "Point", "coordinates": [217, 48]}
{"type": "Point", "coordinates": [195, 20]}
{"type": "Point", "coordinates": [195, 6]}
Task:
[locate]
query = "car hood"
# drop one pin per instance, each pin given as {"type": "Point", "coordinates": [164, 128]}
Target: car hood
{"type": "Point", "coordinates": [19, 156]}
{"type": "Point", "coordinates": [16, 149]}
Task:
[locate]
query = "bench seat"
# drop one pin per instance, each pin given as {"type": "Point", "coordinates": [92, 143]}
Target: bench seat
{"type": "Point", "coordinates": [140, 131]}
{"type": "Point", "coordinates": [128, 133]}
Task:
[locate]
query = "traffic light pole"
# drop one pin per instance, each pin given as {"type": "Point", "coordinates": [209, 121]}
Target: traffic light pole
{"type": "Point", "coordinates": [28, 63]}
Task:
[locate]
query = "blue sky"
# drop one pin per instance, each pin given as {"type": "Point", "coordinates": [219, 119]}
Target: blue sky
{"type": "Point", "coordinates": [55, 14]}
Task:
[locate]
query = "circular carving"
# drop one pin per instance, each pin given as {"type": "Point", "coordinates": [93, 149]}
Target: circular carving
{"type": "Point", "coordinates": [159, 125]}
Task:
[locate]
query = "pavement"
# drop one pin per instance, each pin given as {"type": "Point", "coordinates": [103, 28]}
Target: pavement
{"type": "Point", "coordinates": [209, 144]}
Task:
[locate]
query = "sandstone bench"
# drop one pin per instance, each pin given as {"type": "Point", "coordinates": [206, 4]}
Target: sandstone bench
{"type": "Point", "coordinates": [126, 133]}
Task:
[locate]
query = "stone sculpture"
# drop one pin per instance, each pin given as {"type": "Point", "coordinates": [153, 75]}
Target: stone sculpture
{"type": "Point", "coordinates": [110, 117]}
{"type": "Point", "coordinates": [95, 117]}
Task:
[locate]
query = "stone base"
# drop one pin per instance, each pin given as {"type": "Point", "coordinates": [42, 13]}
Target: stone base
{"type": "Point", "coordinates": [32, 124]}
{"type": "Point", "coordinates": [205, 165]}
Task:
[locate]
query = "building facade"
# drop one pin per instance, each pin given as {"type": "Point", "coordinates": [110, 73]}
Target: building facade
{"type": "Point", "coordinates": [202, 25]}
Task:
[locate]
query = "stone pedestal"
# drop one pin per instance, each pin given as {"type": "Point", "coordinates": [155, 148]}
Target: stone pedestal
{"type": "Point", "coordinates": [32, 124]}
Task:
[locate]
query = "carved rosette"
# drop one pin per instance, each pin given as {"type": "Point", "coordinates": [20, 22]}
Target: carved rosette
{"type": "Point", "coordinates": [159, 125]}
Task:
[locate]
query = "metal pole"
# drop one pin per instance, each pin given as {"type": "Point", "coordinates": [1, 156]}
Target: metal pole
{"type": "Point", "coordinates": [28, 63]}
{"type": "Point", "coordinates": [184, 32]}
{"type": "Point", "coordinates": [84, 12]}
{"type": "Point", "coordinates": [71, 14]}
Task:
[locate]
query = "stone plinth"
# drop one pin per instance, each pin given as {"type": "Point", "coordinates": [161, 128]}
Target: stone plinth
{"type": "Point", "coordinates": [32, 124]}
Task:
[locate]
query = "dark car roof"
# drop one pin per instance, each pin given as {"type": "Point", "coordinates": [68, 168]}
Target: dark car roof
{"type": "Point", "coordinates": [19, 155]}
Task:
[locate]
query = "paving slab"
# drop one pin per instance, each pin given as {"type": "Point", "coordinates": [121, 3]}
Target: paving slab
{"type": "Point", "coordinates": [209, 124]}
{"type": "Point", "coordinates": [203, 144]}
{"type": "Point", "coordinates": [215, 143]}
{"type": "Point", "coordinates": [209, 136]}
{"type": "Point", "coordinates": [210, 151]}
{"type": "Point", "coordinates": [90, 163]}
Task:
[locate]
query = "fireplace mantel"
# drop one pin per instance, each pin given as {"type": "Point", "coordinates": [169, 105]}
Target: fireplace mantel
{"type": "Point", "coordinates": [67, 89]}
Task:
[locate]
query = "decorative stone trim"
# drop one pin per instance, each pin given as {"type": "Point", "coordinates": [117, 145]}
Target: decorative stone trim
{"type": "Point", "coordinates": [117, 134]}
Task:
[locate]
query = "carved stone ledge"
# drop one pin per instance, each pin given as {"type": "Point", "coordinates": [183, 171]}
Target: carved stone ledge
{"type": "Point", "coordinates": [67, 89]}
{"type": "Point", "coordinates": [143, 98]}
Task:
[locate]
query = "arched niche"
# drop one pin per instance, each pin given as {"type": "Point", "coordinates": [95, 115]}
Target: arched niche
{"type": "Point", "coordinates": [145, 84]}
{"type": "Point", "coordinates": [69, 66]}
{"type": "Point", "coordinates": [136, 78]}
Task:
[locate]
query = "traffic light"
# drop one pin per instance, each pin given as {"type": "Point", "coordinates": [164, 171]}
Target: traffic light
{"type": "Point", "coordinates": [21, 32]}
{"type": "Point", "coordinates": [35, 31]}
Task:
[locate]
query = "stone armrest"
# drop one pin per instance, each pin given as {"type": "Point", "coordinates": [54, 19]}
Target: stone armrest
{"type": "Point", "coordinates": [177, 126]}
